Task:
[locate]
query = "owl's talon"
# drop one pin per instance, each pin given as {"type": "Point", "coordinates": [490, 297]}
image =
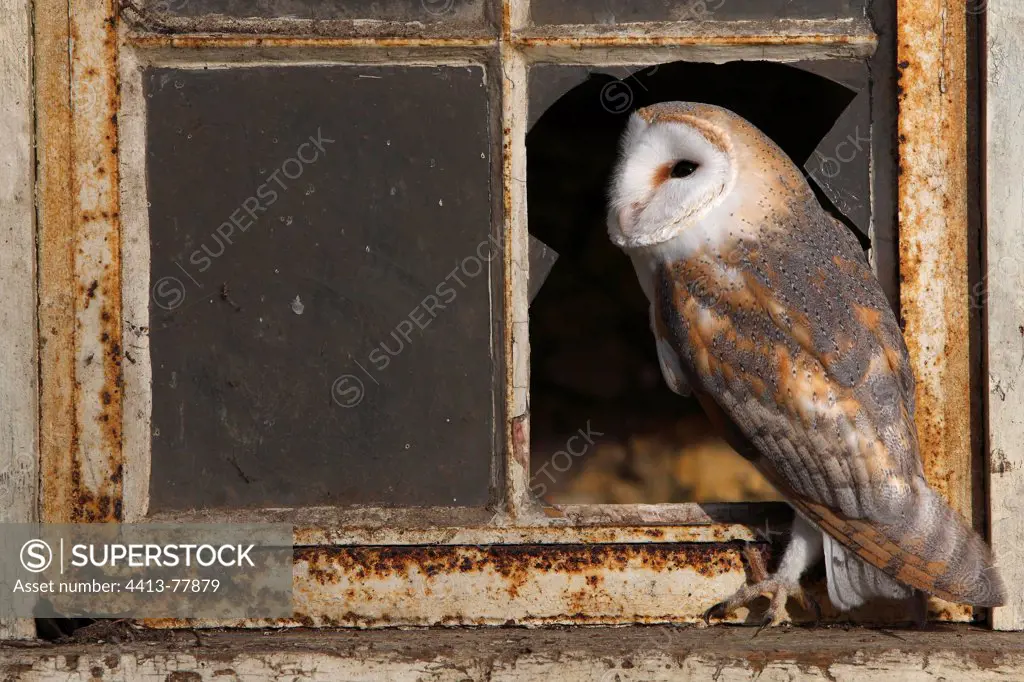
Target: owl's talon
{"type": "Point", "coordinates": [716, 611]}
{"type": "Point", "coordinates": [767, 621]}
{"type": "Point", "coordinates": [779, 592]}
{"type": "Point", "coordinates": [777, 614]}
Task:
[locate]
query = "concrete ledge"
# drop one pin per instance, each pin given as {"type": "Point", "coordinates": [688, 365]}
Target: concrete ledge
{"type": "Point", "coordinates": [650, 654]}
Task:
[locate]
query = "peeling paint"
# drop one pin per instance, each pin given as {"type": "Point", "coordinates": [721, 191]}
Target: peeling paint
{"type": "Point", "coordinates": [95, 493]}
{"type": "Point", "coordinates": [150, 41]}
{"type": "Point", "coordinates": [507, 585]}
{"type": "Point", "coordinates": [635, 654]}
{"type": "Point", "coordinates": [933, 236]}
{"type": "Point", "coordinates": [80, 264]}
{"type": "Point", "coordinates": [933, 200]}
{"type": "Point", "coordinates": [775, 32]}
{"type": "Point", "coordinates": [624, 571]}
{"type": "Point", "coordinates": [433, 18]}
{"type": "Point", "coordinates": [1003, 68]}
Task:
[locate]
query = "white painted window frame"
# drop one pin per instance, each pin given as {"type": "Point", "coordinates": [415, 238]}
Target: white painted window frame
{"type": "Point", "coordinates": [19, 387]}
{"type": "Point", "coordinates": [374, 567]}
{"type": "Point", "coordinates": [1003, 287]}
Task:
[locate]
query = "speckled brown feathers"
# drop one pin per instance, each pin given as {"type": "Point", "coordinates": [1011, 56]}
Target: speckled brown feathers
{"type": "Point", "coordinates": [788, 338]}
{"type": "Point", "coordinates": [766, 309]}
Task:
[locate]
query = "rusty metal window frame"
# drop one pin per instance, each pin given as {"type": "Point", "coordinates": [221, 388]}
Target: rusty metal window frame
{"type": "Point", "coordinates": [522, 563]}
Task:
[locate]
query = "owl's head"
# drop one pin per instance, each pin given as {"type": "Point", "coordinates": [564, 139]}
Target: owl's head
{"type": "Point", "coordinates": [680, 160]}
{"type": "Point", "coordinates": [675, 164]}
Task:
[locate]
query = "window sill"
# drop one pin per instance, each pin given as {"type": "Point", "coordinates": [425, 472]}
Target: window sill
{"type": "Point", "coordinates": [566, 654]}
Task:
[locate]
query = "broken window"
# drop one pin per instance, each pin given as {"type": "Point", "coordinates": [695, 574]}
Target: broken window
{"type": "Point", "coordinates": [346, 270]}
{"type": "Point", "coordinates": [593, 356]}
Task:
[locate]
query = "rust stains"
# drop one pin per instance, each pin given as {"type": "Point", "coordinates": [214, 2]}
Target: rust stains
{"type": "Point", "coordinates": [506, 20]}
{"type": "Point", "coordinates": [584, 524]}
{"type": "Point", "coordinates": [519, 41]}
{"type": "Point", "coordinates": [512, 584]}
{"type": "Point", "coordinates": [580, 42]}
{"type": "Point", "coordinates": [79, 249]}
{"type": "Point", "coordinates": [515, 563]}
{"type": "Point", "coordinates": [933, 203]}
{"type": "Point", "coordinates": [248, 41]}
{"type": "Point", "coordinates": [58, 432]}
{"type": "Point", "coordinates": [100, 62]}
{"type": "Point", "coordinates": [521, 441]}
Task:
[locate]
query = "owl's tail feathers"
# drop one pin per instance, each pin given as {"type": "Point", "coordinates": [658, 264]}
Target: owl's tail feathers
{"type": "Point", "coordinates": [929, 547]}
{"type": "Point", "coordinates": [852, 581]}
{"type": "Point", "coordinates": [955, 561]}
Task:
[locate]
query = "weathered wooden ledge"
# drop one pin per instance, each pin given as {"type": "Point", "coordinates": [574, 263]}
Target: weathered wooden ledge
{"type": "Point", "coordinates": [578, 654]}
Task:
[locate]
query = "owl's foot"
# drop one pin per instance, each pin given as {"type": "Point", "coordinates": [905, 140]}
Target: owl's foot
{"type": "Point", "coordinates": [777, 590]}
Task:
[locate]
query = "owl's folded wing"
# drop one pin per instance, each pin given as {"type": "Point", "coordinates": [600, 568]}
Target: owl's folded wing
{"type": "Point", "coordinates": [671, 370]}
{"type": "Point", "coordinates": [795, 350]}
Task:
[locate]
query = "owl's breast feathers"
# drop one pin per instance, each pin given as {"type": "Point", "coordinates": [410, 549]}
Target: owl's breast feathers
{"type": "Point", "coordinates": [788, 340]}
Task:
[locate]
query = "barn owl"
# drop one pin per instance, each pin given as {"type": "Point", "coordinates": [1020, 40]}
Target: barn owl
{"type": "Point", "coordinates": [764, 307]}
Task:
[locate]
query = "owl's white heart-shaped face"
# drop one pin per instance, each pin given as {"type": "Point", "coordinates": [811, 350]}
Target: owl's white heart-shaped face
{"type": "Point", "coordinates": [673, 169]}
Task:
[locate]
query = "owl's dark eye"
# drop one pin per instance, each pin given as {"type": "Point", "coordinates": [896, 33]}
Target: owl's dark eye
{"type": "Point", "coordinates": [683, 169]}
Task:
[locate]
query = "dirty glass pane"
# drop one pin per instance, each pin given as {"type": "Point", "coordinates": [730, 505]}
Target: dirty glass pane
{"type": "Point", "coordinates": [625, 11]}
{"type": "Point", "coordinates": [604, 427]}
{"type": "Point", "coordinates": [322, 285]}
{"type": "Point", "coordinates": [451, 14]}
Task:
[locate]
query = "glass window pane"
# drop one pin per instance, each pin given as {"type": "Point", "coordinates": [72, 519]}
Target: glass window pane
{"type": "Point", "coordinates": [625, 11]}
{"type": "Point", "coordinates": [321, 313]}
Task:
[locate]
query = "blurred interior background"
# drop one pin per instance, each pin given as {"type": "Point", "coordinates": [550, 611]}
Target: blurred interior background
{"type": "Point", "coordinates": [593, 361]}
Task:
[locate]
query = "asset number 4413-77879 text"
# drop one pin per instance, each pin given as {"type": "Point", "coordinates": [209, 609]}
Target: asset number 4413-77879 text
{"type": "Point", "coordinates": [173, 585]}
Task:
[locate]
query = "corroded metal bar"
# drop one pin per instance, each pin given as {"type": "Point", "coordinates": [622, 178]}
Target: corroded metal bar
{"type": "Point", "coordinates": [80, 278]}
{"type": "Point", "coordinates": [933, 234]}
